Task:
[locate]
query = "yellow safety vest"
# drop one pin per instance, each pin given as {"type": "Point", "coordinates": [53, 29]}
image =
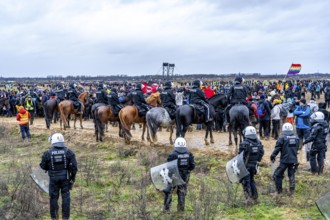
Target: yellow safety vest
{"type": "Point", "coordinates": [24, 118]}
{"type": "Point", "coordinates": [29, 105]}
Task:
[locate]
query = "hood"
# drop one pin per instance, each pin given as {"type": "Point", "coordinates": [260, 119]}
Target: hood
{"type": "Point", "coordinates": [22, 111]}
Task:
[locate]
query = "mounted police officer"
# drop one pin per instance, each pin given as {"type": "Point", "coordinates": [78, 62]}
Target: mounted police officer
{"type": "Point", "coordinates": [73, 96]}
{"type": "Point", "coordinates": [237, 95]}
{"type": "Point", "coordinates": [197, 96]}
{"type": "Point", "coordinates": [61, 164]}
{"type": "Point", "coordinates": [288, 145]}
{"type": "Point", "coordinates": [318, 134]}
{"type": "Point", "coordinates": [139, 101]}
{"type": "Point", "coordinates": [253, 153]}
{"type": "Point", "coordinates": [114, 102]}
{"type": "Point", "coordinates": [101, 95]}
{"type": "Point", "coordinates": [186, 163]}
{"type": "Point", "coordinates": [168, 99]}
{"type": "Point", "coordinates": [60, 93]}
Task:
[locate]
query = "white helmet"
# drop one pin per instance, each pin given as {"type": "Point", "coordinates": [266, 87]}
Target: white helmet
{"type": "Point", "coordinates": [317, 117]}
{"type": "Point", "coordinates": [287, 127]}
{"type": "Point", "coordinates": [250, 132]}
{"type": "Point", "coordinates": [180, 142]}
{"type": "Point", "coordinates": [57, 139]}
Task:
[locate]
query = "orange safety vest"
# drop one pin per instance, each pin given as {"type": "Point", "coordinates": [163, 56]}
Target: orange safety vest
{"type": "Point", "coordinates": [24, 118]}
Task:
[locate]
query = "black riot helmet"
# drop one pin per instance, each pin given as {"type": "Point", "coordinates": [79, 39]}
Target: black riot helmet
{"type": "Point", "coordinates": [196, 83]}
{"type": "Point", "coordinates": [238, 80]}
{"type": "Point", "coordinates": [138, 86]}
{"type": "Point", "coordinates": [168, 85]}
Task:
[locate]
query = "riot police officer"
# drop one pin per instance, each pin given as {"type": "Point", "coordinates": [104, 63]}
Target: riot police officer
{"type": "Point", "coordinates": [186, 163]}
{"type": "Point", "coordinates": [101, 95]}
{"type": "Point", "coordinates": [318, 134]}
{"type": "Point", "coordinates": [61, 164]}
{"type": "Point", "coordinates": [139, 101]}
{"type": "Point", "coordinates": [114, 102]}
{"type": "Point", "coordinates": [197, 96]}
{"type": "Point", "coordinates": [288, 145]}
{"type": "Point", "coordinates": [253, 153]}
{"type": "Point", "coordinates": [60, 94]}
{"type": "Point", "coordinates": [168, 99]}
{"type": "Point", "coordinates": [73, 96]}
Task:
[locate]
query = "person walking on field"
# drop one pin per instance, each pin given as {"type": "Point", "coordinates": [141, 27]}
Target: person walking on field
{"type": "Point", "coordinates": [23, 120]}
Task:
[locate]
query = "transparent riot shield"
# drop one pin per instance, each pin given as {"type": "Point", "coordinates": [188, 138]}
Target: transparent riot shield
{"type": "Point", "coordinates": [236, 169]}
{"type": "Point", "coordinates": [323, 204]}
{"type": "Point", "coordinates": [41, 178]}
{"type": "Point", "coordinates": [166, 175]}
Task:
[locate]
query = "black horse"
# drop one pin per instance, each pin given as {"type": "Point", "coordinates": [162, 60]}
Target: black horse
{"type": "Point", "coordinates": [187, 115]}
{"type": "Point", "coordinates": [51, 110]}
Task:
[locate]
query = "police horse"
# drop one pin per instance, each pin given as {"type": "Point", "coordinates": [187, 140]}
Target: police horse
{"type": "Point", "coordinates": [238, 121]}
{"type": "Point", "coordinates": [50, 109]}
{"type": "Point", "coordinates": [66, 108]}
{"type": "Point", "coordinates": [130, 114]}
{"type": "Point", "coordinates": [188, 114]}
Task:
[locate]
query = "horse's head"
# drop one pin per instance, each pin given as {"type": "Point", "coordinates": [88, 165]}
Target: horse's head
{"type": "Point", "coordinates": [154, 99]}
{"type": "Point", "coordinates": [83, 97]}
{"type": "Point", "coordinates": [219, 100]}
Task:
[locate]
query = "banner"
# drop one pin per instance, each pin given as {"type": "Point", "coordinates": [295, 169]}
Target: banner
{"type": "Point", "coordinates": [294, 69]}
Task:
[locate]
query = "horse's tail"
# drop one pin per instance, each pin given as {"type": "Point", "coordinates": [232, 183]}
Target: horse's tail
{"type": "Point", "coordinates": [124, 125]}
{"type": "Point", "coordinates": [242, 122]}
{"type": "Point", "coordinates": [152, 127]}
{"type": "Point", "coordinates": [178, 123]}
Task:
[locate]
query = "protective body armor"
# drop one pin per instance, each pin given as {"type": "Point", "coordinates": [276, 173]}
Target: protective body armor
{"type": "Point", "coordinates": [58, 162]}
{"type": "Point", "coordinates": [253, 154]}
{"type": "Point", "coordinates": [73, 95]}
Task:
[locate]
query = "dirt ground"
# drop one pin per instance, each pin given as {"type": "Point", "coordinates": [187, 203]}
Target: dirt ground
{"type": "Point", "coordinates": [195, 139]}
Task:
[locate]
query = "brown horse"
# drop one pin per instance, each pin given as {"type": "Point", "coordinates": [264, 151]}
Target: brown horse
{"type": "Point", "coordinates": [154, 100]}
{"type": "Point", "coordinates": [66, 109]}
{"type": "Point", "coordinates": [129, 115]}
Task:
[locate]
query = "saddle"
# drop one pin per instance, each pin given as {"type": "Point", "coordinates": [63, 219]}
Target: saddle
{"type": "Point", "coordinates": [198, 110]}
{"type": "Point", "coordinates": [76, 104]}
{"type": "Point", "coordinates": [116, 109]}
{"type": "Point", "coordinates": [142, 110]}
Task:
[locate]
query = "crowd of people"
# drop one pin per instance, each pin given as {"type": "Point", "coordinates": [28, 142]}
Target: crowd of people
{"type": "Point", "coordinates": [272, 105]}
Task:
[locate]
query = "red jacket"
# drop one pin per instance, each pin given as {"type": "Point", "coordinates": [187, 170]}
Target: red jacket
{"type": "Point", "coordinates": [22, 115]}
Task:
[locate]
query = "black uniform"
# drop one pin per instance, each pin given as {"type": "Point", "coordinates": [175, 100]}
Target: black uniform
{"type": "Point", "coordinates": [237, 94]}
{"type": "Point", "coordinates": [60, 95]}
{"type": "Point", "coordinates": [318, 134]}
{"type": "Point", "coordinates": [288, 145]}
{"type": "Point", "coordinates": [73, 96]}
{"type": "Point", "coordinates": [186, 163]}
{"type": "Point", "coordinates": [197, 96]}
{"type": "Point", "coordinates": [101, 96]}
{"type": "Point", "coordinates": [168, 100]}
{"type": "Point", "coordinates": [139, 101]}
{"type": "Point", "coordinates": [114, 102]}
{"type": "Point", "coordinates": [61, 164]}
{"type": "Point", "coordinates": [253, 153]}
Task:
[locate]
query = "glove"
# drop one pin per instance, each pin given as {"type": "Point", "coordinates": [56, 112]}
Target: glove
{"type": "Point", "coordinates": [272, 158]}
{"type": "Point", "coordinates": [71, 184]}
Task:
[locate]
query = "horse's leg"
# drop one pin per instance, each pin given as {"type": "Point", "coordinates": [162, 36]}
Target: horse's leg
{"type": "Point", "coordinates": [133, 127]}
{"type": "Point", "coordinates": [96, 130]}
{"type": "Point", "coordinates": [206, 134]}
{"type": "Point", "coordinates": [230, 130]}
{"type": "Point", "coordinates": [106, 127]}
{"type": "Point", "coordinates": [236, 140]}
{"type": "Point", "coordinates": [81, 118]}
{"type": "Point", "coordinates": [74, 121]}
{"type": "Point", "coordinates": [211, 135]}
{"type": "Point", "coordinates": [143, 130]}
{"type": "Point", "coordinates": [171, 133]}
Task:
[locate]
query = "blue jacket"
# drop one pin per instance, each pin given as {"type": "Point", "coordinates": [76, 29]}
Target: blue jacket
{"type": "Point", "coordinates": [302, 120]}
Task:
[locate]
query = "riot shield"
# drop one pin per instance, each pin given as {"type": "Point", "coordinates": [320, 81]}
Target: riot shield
{"type": "Point", "coordinates": [41, 179]}
{"type": "Point", "coordinates": [323, 205]}
{"type": "Point", "coordinates": [235, 169]}
{"type": "Point", "coordinates": [166, 175]}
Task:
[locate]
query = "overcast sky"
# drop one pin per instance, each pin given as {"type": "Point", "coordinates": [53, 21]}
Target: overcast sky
{"type": "Point", "coordinates": [99, 37]}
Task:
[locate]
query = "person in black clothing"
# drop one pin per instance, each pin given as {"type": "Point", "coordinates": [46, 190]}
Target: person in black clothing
{"type": "Point", "coordinates": [186, 163]}
{"type": "Point", "coordinates": [253, 153]}
{"type": "Point", "coordinates": [101, 95]}
{"type": "Point", "coordinates": [327, 95]}
{"type": "Point", "coordinates": [139, 101]}
{"type": "Point", "coordinates": [73, 96]}
{"type": "Point", "coordinates": [318, 134]}
{"type": "Point", "coordinates": [61, 165]}
{"type": "Point", "coordinates": [288, 145]}
{"type": "Point", "coordinates": [264, 113]}
{"type": "Point", "coordinates": [114, 102]}
{"type": "Point", "coordinates": [60, 94]}
{"type": "Point", "coordinates": [168, 99]}
{"type": "Point", "coordinates": [197, 96]}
